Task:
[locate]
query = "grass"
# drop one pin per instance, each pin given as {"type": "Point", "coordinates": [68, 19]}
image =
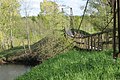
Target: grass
{"type": "Point", "coordinates": [75, 65]}
{"type": "Point", "coordinates": [11, 51]}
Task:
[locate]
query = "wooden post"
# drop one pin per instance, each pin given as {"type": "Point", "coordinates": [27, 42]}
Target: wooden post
{"type": "Point", "coordinates": [82, 43]}
{"type": "Point", "coordinates": [98, 48]}
{"type": "Point", "coordinates": [88, 43]}
{"type": "Point", "coordinates": [118, 6]}
{"type": "Point", "coordinates": [91, 46]}
{"type": "Point", "coordinates": [94, 42]}
{"type": "Point", "coordinates": [71, 18]}
{"type": "Point", "coordinates": [85, 43]}
{"type": "Point", "coordinates": [107, 40]}
{"type": "Point", "coordinates": [114, 30]}
{"type": "Point", "coordinates": [101, 41]}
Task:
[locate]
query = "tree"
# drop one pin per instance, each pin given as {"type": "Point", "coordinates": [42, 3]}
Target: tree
{"type": "Point", "coordinates": [9, 11]}
{"type": "Point", "coordinates": [100, 15]}
{"type": "Point", "coordinates": [48, 7]}
{"type": "Point", "coordinates": [53, 19]}
{"type": "Point", "coordinates": [26, 12]}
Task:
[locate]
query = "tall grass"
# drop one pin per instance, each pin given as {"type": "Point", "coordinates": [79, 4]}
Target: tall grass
{"type": "Point", "coordinates": [11, 51]}
{"type": "Point", "coordinates": [76, 65]}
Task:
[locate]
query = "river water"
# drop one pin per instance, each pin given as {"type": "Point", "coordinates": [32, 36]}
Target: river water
{"type": "Point", "coordinates": [12, 71]}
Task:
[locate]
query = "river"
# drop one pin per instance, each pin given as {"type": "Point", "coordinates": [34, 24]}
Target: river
{"type": "Point", "coordinates": [12, 71]}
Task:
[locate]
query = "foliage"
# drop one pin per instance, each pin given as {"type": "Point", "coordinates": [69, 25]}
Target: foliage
{"type": "Point", "coordinates": [43, 49]}
{"type": "Point", "coordinates": [51, 15]}
{"type": "Point", "coordinates": [9, 12]}
{"type": "Point", "coordinates": [11, 51]}
{"type": "Point", "coordinates": [100, 14]}
{"type": "Point", "coordinates": [87, 25]}
{"type": "Point", "coordinates": [48, 7]}
{"type": "Point", "coordinates": [1, 36]}
{"type": "Point", "coordinates": [49, 25]}
{"type": "Point", "coordinates": [9, 16]}
{"type": "Point", "coordinates": [51, 45]}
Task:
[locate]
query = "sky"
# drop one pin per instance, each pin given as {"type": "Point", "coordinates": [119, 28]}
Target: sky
{"type": "Point", "coordinates": [33, 6]}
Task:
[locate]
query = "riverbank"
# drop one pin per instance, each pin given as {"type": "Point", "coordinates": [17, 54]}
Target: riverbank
{"type": "Point", "coordinates": [76, 65]}
{"type": "Point", "coordinates": [44, 49]}
{"type": "Point", "coordinates": [2, 62]}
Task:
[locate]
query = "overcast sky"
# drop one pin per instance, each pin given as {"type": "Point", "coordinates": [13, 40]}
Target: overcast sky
{"type": "Point", "coordinates": [33, 6]}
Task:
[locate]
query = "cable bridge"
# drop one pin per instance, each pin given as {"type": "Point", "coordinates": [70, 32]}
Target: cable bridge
{"type": "Point", "coordinates": [97, 41]}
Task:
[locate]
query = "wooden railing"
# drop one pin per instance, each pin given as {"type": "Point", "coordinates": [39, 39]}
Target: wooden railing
{"type": "Point", "coordinates": [97, 41]}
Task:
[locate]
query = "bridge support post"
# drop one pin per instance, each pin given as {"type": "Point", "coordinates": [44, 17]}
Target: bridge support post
{"type": "Point", "coordinates": [107, 40]}
{"type": "Point", "coordinates": [98, 45]}
{"type": "Point", "coordinates": [88, 43]}
{"type": "Point", "coordinates": [94, 47]}
{"type": "Point", "coordinates": [91, 46]}
{"type": "Point", "coordinates": [114, 30]}
{"type": "Point", "coordinates": [101, 41]}
{"type": "Point", "coordinates": [118, 10]}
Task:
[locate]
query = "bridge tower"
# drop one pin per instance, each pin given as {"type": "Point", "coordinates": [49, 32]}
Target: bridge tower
{"type": "Point", "coordinates": [116, 6]}
{"type": "Point", "coordinates": [118, 11]}
{"type": "Point", "coordinates": [113, 3]}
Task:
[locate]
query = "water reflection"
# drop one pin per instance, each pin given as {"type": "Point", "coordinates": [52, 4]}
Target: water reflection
{"type": "Point", "coordinates": [11, 71]}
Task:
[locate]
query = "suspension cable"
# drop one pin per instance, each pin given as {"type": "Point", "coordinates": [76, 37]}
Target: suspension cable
{"type": "Point", "coordinates": [83, 14]}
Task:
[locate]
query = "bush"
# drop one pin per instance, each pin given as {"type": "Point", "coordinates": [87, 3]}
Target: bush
{"type": "Point", "coordinates": [51, 45]}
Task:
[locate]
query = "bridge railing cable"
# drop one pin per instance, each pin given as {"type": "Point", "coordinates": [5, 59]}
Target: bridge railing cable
{"type": "Point", "coordinates": [83, 14]}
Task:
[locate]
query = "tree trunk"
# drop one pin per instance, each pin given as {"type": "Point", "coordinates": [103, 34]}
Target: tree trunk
{"type": "Point", "coordinates": [11, 38]}
{"type": "Point", "coordinates": [28, 33]}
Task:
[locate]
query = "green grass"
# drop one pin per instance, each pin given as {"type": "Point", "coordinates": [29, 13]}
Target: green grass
{"type": "Point", "coordinates": [11, 51]}
{"type": "Point", "coordinates": [75, 65]}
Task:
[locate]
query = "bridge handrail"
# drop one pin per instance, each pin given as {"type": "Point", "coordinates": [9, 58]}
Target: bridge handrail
{"type": "Point", "coordinates": [94, 34]}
